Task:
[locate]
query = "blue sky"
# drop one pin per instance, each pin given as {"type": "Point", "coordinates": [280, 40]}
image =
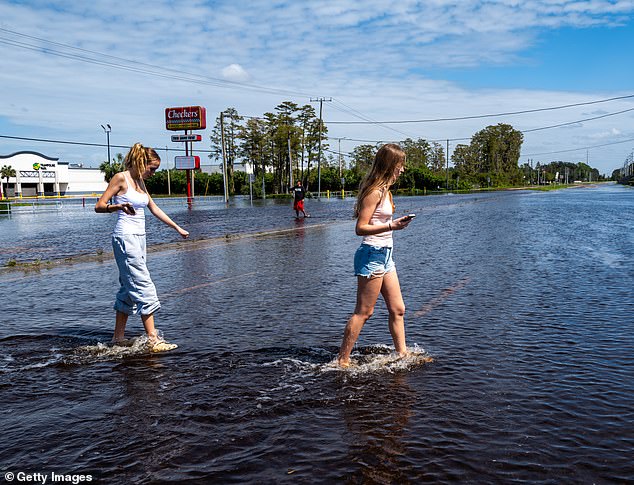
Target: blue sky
{"type": "Point", "coordinates": [559, 60]}
{"type": "Point", "coordinates": [383, 60]}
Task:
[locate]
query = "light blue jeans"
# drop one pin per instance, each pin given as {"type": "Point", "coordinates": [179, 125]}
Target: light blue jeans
{"type": "Point", "coordinates": [373, 261]}
{"type": "Point", "coordinates": [137, 295]}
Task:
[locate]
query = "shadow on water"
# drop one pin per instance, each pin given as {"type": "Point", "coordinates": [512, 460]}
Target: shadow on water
{"type": "Point", "coordinates": [523, 300]}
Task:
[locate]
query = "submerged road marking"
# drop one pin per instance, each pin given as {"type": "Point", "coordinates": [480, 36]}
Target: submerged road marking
{"type": "Point", "coordinates": [203, 285]}
{"type": "Point", "coordinates": [444, 294]}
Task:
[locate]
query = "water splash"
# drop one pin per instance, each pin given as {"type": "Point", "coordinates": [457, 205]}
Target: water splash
{"type": "Point", "coordinates": [100, 351]}
{"type": "Point", "coordinates": [381, 358]}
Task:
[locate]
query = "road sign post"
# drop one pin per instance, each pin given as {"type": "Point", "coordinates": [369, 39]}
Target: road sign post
{"type": "Point", "coordinates": [186, 118]}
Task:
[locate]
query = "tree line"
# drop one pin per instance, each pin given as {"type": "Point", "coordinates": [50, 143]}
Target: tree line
{"type": "Point", "coordinates": [288, 138]}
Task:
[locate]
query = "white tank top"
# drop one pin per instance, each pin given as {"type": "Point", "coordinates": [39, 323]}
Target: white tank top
{"type": "Point", "coordinates": [382, 215]}
{"type": "Point", "coordinates": [127, 224]}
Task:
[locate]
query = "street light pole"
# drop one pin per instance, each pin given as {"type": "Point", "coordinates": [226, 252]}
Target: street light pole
{"type": "Point", "coordinates": [169, 185]}
{"type": "Point", "coordinates": [108, 130]}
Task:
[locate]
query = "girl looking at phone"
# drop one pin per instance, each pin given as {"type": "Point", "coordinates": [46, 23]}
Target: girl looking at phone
{"type": "Point", "coordinates": [373, 263]}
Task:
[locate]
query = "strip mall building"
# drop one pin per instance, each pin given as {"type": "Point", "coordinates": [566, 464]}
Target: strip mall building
{"type": "Point", "coordinates": [40, 175]}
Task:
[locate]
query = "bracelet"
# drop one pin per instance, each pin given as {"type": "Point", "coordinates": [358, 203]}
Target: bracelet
{"type": "Point", "coordinates": [389, 226]}
{"type": "Point", "coordinates": [107, 207]}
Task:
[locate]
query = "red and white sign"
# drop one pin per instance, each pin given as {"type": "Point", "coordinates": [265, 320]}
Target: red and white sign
{"type": "Point", "coordinates": [186, 118]}
{"type": "Point", "coordinates": [187, 163]}
{"type": "Point", "coordinates": [177, 138]}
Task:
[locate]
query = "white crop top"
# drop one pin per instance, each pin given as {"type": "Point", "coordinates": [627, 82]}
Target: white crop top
{"type": "Point", "coordinates": [126, 223]}
{"type": "Point", "coordinates": [382, 215]}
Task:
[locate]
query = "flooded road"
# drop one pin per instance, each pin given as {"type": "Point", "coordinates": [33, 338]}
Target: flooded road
{"type": "Point", "coordinates": [522, 299]}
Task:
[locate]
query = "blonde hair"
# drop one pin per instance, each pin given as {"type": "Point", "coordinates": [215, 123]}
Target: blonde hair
{"type": "Point", "coordinates": [138, 158]}
{"type": "Point", "coordinates": [381, 175]}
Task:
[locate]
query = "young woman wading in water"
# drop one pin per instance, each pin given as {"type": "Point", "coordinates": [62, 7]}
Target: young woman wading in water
{"type": "Point", "coordinates": [137, 294]}
{"type": "Point", "coordinates": [373, 263]}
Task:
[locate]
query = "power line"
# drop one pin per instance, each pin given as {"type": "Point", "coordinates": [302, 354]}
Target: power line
{"type": "Point", "coordinates": [521, 131]}
{"type": "Point", "coordinates": [578, 121]}
{"type": "Point", "coordinates": [580, 148]}
{"type": "Point", "coordinates": [355, 139]}
{"type": "Point", "coordinates": [459, 118]}
{"type": "Point", "coordinates": [153, 70]}
{"type": "Point", "coordinates": [360, 115]}
{"type": "Point", "coordinates": [79, 143]}
{"type": "Point", "coordinates": [360, 140]}
{"type": "Point", "coordinates": [196, 78]}
{"type": "Point", "coordinates": [345, 154]}
{"type": "Point", "coordinates": [158, 148]}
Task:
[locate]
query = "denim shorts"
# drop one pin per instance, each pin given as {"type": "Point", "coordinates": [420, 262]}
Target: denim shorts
{"type": "Point", "coordinates": [373, 261]}
{"type": "Point", "coordinates": [137, 294]}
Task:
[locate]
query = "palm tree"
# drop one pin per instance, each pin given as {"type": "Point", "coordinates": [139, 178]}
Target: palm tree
{"type": "Point", "coordinates": [111, 169]}
{"type": "Point", "coordinates": [7, 171]}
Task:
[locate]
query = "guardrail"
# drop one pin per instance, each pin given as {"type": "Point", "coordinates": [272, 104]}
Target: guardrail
{"type": "Point", "coordinates": [333, 194]}
{"type": "Point", "coordinates": [5, 208]}
{"type": "Point", "coordinates": [31, 205]}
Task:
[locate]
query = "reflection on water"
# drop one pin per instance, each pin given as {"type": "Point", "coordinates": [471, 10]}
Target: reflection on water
{"type": "Point", "coordinates": [376, 414]}
{"type": "Point", "coordinates": [523, 300]}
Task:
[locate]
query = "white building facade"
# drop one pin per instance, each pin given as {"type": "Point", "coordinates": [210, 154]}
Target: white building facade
{"type": "Point", "coordinates": [38, 175]}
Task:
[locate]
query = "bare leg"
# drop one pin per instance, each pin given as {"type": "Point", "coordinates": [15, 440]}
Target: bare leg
{"type": "Point", "coordinates": [367, 294]}
{"type": "Point", "coordinates": [391, 291]}
{"type": "Point", "coordinates": [121, 320]}
{"type": "Point", "coordinates": [154, 343]}
{"type": "Point", "coordinates": [148, 323]}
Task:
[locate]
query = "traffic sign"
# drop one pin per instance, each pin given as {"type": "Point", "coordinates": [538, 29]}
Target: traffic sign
{"type": "Point", "coordinates": [177, 138]}
{"type": "Point", "coordinates": [187, 163]}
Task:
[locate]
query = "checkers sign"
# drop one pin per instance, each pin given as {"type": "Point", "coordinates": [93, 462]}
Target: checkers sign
{"type": "Point", "coordinates": [186, 118]}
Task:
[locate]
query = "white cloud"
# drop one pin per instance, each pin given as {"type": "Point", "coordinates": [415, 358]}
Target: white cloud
{"type": "Point", "coordinates": [611, 133]}
{"type": "Point", "coordinates": [235, 72]}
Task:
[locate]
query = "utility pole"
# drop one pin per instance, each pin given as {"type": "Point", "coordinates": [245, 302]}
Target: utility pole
{"type": "Point", "coordinates": [447, 169]}
{"type": "Point", "coordinates": [301, 176]}
{"type": "Point", "coordinates": [321, 101]}
{"type": "Point", "coordinates": [224, 158]}
{"type": "Point", "coordinates": [290, 160]}
{"type": "Point", "coordinates": [589, 171]}
{"type": "Point", "coordinates": [530, 173]}
{"type": "Point", "coordinates": [340, 164]}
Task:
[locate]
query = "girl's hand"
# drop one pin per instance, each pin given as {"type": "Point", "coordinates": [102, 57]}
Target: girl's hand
{"type": "Point", "coordinates": [401, 223]}
{"type": "Point", "coordinates": [128, 209]}
{"type": "Point", "coordinates": [184, 234]}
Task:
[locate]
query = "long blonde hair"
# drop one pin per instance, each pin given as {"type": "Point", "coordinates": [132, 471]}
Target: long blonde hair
{"type": "Point", "coordinates": [381, 175]}
{"type": "Point", "coordinates": [138, 158]}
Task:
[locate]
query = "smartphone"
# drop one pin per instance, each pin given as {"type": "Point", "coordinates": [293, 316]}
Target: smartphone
{"type": "Point", "coordinates": [409, 217]}
{"type": "Point", "coordinates": [131, 209]}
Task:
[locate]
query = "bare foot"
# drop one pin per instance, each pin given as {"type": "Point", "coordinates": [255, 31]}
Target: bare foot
{"type": "Point", "coordinates": [162, 346]}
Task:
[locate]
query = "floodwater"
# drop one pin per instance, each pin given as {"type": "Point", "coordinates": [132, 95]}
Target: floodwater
{"type": "Point", "coordinates": [522, 299]}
